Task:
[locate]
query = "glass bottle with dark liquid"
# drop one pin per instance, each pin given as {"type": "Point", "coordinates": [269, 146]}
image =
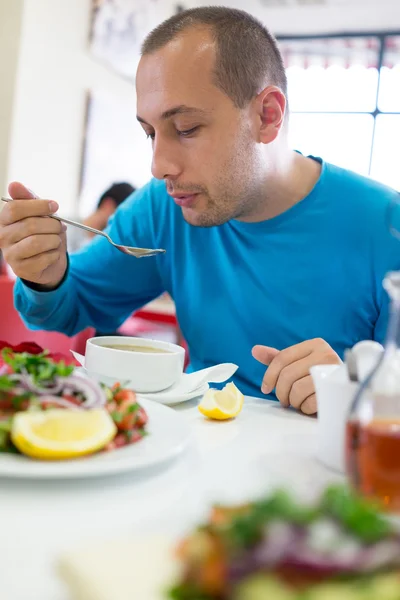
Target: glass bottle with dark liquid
{"type": "Point", "coordinates": [373, 427]}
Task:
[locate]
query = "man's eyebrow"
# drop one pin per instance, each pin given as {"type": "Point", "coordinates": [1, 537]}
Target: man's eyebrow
{"type": "Point", "coordinates": [182, 109]}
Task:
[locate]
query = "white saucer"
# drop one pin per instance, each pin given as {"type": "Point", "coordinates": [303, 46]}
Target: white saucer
{"type": "Point", "coordinates": [169, 397]}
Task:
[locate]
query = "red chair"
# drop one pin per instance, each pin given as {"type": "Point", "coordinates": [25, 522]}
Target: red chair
{"type": "Point", "coordinates": [13, 330]}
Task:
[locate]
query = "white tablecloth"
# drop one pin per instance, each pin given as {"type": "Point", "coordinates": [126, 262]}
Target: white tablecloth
{"type": "Point", "coordinates": [264, 447]}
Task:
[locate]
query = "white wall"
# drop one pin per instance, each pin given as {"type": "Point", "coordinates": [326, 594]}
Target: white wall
{"type": "Point", "coordinates": [10, 31]}
{"type": "Point", "coordinates": [54, 75]}
{"type": "Point", "coordinates": [55, 71]}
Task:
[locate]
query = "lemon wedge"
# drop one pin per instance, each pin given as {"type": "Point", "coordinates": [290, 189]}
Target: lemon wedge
{"type": "Point", "coordinates": [59, 434]}
{"type": "Point", "coordinates": [222, 404]}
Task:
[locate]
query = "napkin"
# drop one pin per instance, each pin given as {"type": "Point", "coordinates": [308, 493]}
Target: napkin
{"type": "Point", "coordinates": [124, 569]}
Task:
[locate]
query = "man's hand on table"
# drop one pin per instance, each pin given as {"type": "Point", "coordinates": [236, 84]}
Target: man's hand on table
{"type": "Point", "coordinates": [289, 372]}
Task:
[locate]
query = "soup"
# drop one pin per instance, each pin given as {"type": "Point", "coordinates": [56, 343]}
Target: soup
{"type": "Point", "coordinates": [135, 348]}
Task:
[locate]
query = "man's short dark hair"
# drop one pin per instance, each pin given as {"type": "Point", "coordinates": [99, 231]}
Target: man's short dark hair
{"type": "Point", "coordinates": [118, 192]}
{"type": "Point", "coordinates": [248, 58]}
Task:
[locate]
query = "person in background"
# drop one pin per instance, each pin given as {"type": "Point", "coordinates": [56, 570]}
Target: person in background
{"type": "Point", "coordinates": [270, 255]}
{"type": "Point", "coordinates": [106, 206]}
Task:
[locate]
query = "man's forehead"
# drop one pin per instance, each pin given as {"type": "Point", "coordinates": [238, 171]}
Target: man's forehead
{"type": "Point", "coordinates": [164, 87]}
{"type": "Point", "coordinates": [186, 57]}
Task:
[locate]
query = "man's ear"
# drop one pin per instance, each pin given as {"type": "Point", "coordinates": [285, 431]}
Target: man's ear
{"type": "Point", "coordinates": [271, 109]}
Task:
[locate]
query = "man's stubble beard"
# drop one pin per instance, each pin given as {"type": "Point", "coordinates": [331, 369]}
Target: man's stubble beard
{"type": "Point", "coordinates": [239, 197]}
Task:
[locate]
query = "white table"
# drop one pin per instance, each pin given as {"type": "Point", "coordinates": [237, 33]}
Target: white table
{"type": "Point", "coordinates": [226, 461]}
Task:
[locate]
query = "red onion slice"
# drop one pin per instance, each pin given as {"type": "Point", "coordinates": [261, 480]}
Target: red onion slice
{"type": "Point", "coordinates": [381, 554]}
{"type": "Point", "coordinates": [17, 377]}
{"type": "Point", "coordinates": [279, 539]}
{"type": "Point", "coordinates": [61, 402]}
{"type": "Point", "coordinates": [27, 381]}
{"type": "Point", "coordinates": [18, 388]}
{"type": "Point", "coordinates": [313, 551]}
{"type": "Point", "coordinates": [90, 390]}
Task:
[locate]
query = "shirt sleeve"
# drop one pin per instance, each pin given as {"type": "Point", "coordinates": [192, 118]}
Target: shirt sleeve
{"type": "Point", "coordinates": [103, 286]}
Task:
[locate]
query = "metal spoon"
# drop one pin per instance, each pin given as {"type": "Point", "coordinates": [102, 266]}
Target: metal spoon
{"type": "Point", "coordinates": [131, 250]}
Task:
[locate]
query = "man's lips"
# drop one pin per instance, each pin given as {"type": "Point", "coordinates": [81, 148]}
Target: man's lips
{"type": "Point", "coordinates": [184, 200]}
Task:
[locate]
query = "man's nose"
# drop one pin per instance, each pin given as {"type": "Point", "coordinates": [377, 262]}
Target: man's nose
{"type": "Point", "coordinates": [165, 162]}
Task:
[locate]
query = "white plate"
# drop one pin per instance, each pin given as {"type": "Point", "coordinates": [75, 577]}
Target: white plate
{"type": "Point", "coordinates": [169, 397]}
{"type": "Point", "coordinates": [167, 436]}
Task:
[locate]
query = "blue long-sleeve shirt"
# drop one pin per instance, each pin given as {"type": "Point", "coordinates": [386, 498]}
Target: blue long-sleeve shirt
{"type": "Point", "coordinates": [314, 271]}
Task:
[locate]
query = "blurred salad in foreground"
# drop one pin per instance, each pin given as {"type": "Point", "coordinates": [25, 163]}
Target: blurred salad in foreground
{"type": "Point", "coordinates": [280, 549]}
{"type": "Point", "coordinates": [49, 411]}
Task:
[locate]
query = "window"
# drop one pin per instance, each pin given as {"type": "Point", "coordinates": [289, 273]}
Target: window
{"type": "Point", "coordinates": [344, 100]}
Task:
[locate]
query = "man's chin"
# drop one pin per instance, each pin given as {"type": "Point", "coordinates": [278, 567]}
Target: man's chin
{"type": "Point", "coordinates": [197, 218]}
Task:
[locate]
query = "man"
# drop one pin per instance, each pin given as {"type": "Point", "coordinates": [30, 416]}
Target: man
{"type": "Point", "coordinates": [264, 245]}
{"type": "Point", "coordinates": [106, 206]}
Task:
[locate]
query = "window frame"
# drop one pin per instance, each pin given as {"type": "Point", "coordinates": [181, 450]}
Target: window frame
{"type": "Point", "coordinates": [381, 37]}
